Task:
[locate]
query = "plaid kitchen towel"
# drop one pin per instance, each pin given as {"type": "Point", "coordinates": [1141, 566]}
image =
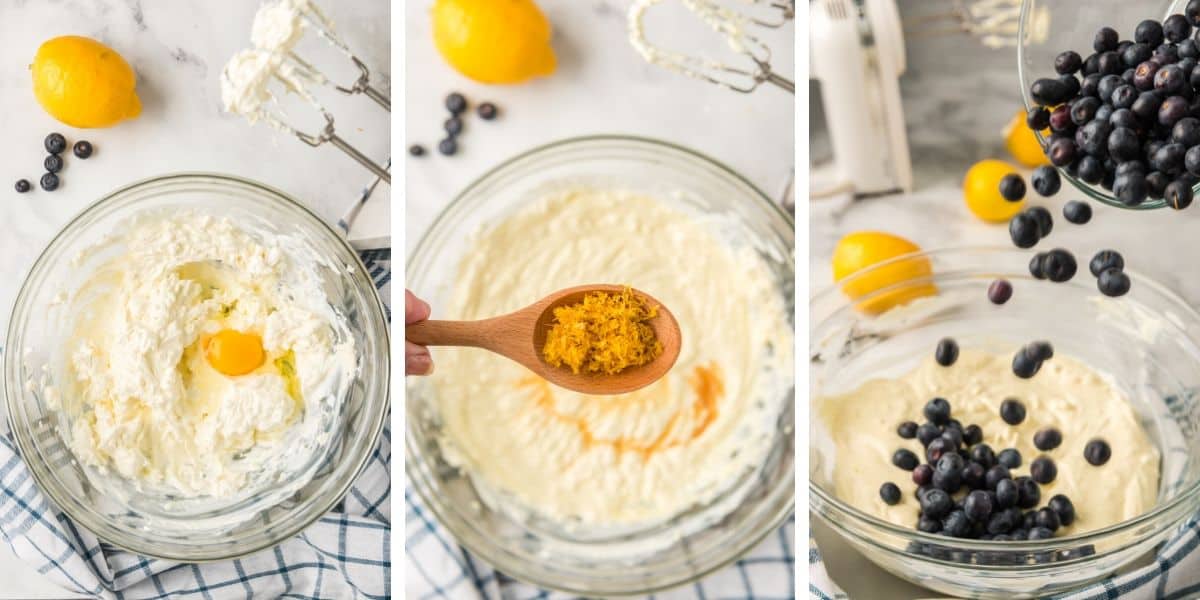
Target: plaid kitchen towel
{"type": "Point", "coordinates": [1174, 574]}
{"type": "Point", "coordinates": [345, 554]}
{"type": "Point", "coordinates": [436, 568]}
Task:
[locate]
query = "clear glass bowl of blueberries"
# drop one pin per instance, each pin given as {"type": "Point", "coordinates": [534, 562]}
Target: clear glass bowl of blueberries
{"type": "Point", "coordinates": [1114, 91]}
{"type": "Point", "coordinates": [1147, 342]}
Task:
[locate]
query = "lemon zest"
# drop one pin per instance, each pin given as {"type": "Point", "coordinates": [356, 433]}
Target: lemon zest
{"type": "Point", "coordinates": [604, 333]}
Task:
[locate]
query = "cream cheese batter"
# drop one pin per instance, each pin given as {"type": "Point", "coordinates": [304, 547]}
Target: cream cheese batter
{"type": "Point", "coordinates": [141, 394]}
{"type": "Point", "coordinates": [1065, 394]}
{"type": "Point", "coordinates": [628, 459]}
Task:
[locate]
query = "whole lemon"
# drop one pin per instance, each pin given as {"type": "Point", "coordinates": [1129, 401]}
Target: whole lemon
{"type": "Point", "coordinates": [494, 41]}
{"type": "Point", "coordinates": [84, 83]}
{"type": "Point", "coordinates": [887, 286]}
{"type": "Point", "coordinates": [1022, 144]}
{"type": "Point", "coordinates": [981, 191]}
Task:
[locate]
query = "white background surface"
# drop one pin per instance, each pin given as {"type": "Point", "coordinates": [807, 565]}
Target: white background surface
{"type": "Point", "coordinates": [178, 48]}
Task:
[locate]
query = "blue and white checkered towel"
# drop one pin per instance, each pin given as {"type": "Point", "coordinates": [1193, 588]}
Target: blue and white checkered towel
{"type": "Point", "coordinates": [345, 554]}
{"type": "Point", "coordinates": [1174, 574]}
{"type": "Point", "coordinates": [437, 568]}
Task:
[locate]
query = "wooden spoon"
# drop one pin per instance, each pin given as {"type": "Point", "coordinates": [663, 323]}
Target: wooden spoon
{"type": "Point", "coordinates": [521, 335]}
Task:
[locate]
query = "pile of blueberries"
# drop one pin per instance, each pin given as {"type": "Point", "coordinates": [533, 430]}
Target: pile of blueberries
{"type": "Point", "coordinates": [966, 489]}
{"type": "Point", "coordinates": [456, 103]}
{"type": "Point", "coordinates": [1127, 117]}
{"type": "Point", "coordinates": [55, 144]}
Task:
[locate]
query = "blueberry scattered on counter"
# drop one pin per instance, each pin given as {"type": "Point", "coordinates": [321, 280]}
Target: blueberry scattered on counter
{"type": "Point", "coordinates": [53, 163]}
{"type": "Point", "coordinates": [55, 143]}
{"type": "Point", "coordinates": [1000, 291]}
{"type": "Point", "coordinates": [487, 111]}
{"type": "Point", "coordinates": [1012, 187]}
{"type": "Point", "coordinates": [1047, 439]}
{"type": "Point", "coordinates": [907, 430]}
{"type": "Point", "coordinates": [448, 146]}
{"type": "Point", "coordinates": [416, 150]}
{"type": "Point", "coordinates": [453, 126]}
{"type": "Point", "coordinates": [456, 103]}
{"type": "Point", "coordinates": [49, 182]}
{"type": "Point", "coordinates": [945, 354]}
{"type": "Point", "coordinates": [1043, 470]}
{"type": "Point", "coordinates": [1077, 212]}
{"type": "Point", "coordinates": [1113, 282]}
{"type": "Point", "coordinates": [83, 149]}
{"type": "Point", "coordinates": [890, 493]}
{"type": "Point", "coordinates": [22, 186]}
{"type": "Point", "coordinates": [1097, 452]}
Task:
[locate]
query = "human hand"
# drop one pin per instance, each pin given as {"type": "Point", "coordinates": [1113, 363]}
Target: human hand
{"type": "Point", "coordinates": [417, 360]}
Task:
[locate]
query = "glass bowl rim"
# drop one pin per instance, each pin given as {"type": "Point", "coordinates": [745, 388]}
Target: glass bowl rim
{"type": "Point", "coordinates": [422, 248]}
{"type": "Point", "coordinates": [265, 192]}
{"type": "Point", "coordinates": [1188, 495]}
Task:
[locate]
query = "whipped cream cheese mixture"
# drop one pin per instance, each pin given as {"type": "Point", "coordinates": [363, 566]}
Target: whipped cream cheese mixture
{"type": "Point", "coordinates": [1065, 394]}
{"type": "Point", "coordinates": [156, 328]}
{"type": "Point", "coordinates": [633, 458]}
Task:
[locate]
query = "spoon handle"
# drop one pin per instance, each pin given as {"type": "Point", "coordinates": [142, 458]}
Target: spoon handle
{"type": "Point", "coordinates": [475, 334]}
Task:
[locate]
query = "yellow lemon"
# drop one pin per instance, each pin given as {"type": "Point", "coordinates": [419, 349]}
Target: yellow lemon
{"type": "Point", "coordinates": [905, 280]}
{"type": "Point", "coordinates": [494, 41]}
{"type": "Point", "coordinates": [981, 191]}
{"type": "Point", "coordinates": [1022, 144]}
{"type": "Point", "coordinates": [84, 83]}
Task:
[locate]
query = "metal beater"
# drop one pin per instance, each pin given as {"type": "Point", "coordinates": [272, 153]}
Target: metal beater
{"type": "Point", "coordinates": [995, 23]}
{"type": "Point", "coordinates": [736, 22]}
{"type": "Point", "coordinates": [283, 66]}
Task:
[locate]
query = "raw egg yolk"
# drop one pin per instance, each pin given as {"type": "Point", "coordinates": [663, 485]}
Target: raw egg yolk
{"type": "Point", "coordinates": [234, 353]}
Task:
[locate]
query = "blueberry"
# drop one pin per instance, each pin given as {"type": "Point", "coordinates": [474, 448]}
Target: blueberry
{"type": "Point", "coordinates": [937, 410]}
{"type": "Point", "coordinates": [1040, 533]}
{"type": "Point", "coordinates": [1131, 166]}
{"type": "Point", "coordinates": [53, 163]}
{"type": "Point", "coordinates": [1047, 439]}
{"type": "Point", "coordinates": [55, 143]}
{"type": "Point", "coordinates": [1192, 12]}
{"type": "Point", "coordinates": [1104, 92]}
{"type": "Point", "coordinates": [1128, 77]}
{"type": "Point", "coordinates": [1109, 179]}
{"type": "Point", "coordinates": [1043, 470]}
{"type": "Point", "coordinates": [1123, 117]}
{"type": "Point", "coordinates": [1110, 63]}
{"type": "Point", "coordinates": [416, 150]}
{"type": "Point", "coordinates": [983, 455]}
{"type": "Point", "coordinates": [1089, 86]}
{"type": "Point", "coordinates": [938, 448]}
{"type": "Point", "coordinates": [1191, 160]}
{"type": "Point", "coordinates": [1077, 212]}
{"type": "Point", "coordinates": [1131, 189]}
{"type": "Point", "coordinates": [1169, 159]}
{"type": "Point", "coordinates": [1123, 144]}
{"type": "Point", "coordinates": [1176, 28]}
{"type": "Point", "coordinates": [950, 482]}
{"type": "Point", "coordinates": [1020, 535]}
{"type": "Point", "coordinates": [453, 126]}
{"type": "Point", "coordinates": [978, 505]}
{"type": "Point", "coordinates": [950, 463]}
{"type": "Point", "coordinates": [995, 474]}
{"type": "Point", "coordinates": [974, 475]}
{"type": "Point", "coordinates": [1172, 110]}
{"type": "Point", "coordinates": [1023, 229]}
{"type": "Point", "coordinates": [1113, 282]}
{"type": "Point", "coordinates": [1049, 92]}
{"type": "Point", "coordinates": [1046, 181]}
{"type": "Point", "coordinates": [448, 146]}
{"type": "Point", "coordinates": [49, 182]}
{"type": "Point", "coordinates": [1091, 170]}
{"type": "Point", "coordinates": [922, 475]}
{"type": "Point", "coordinates": [1122, 97]}
{"type": "Point", "coordinates": [1104, 260]}
{"type": "Point", "coordinates": [956, 524]}
{"type": "Point", "coordinates": [1133, 55]}
{"type": "Point", "coordinates": [936, 503]}
{"type": "Point", "coordinates": [1028, 492]}
{"type": "Point", "coordinates": [1157, 181]}
{"type": "Point", "coordinates": [1028, 518]}
{"type": "Point", "coordinates": [945, 354]}
{"type": "Point", "coordinates": [1010, 457]}
{"type": "Point", "coordinates": [1059, 266]}
{"type": "Point", "coordinates": [1062, 152]}
{"type": "Point", "coordinates": [929, 525]}
{"type": "Point", "coordinates": [890, 493]}
{"type": "Point", "coordinates": [1036, 268]}
{"type": "Point", "coordinates": [1143, 75]}
{"type": "Point", "coordinates": [972, 434]}
{"type": "Point", "coordinates": [1038, 118]}
{"type": "Point", "coordinates": [1068, 62]}
{"type": "Point", "coordinates": [1000, 291]}
{"type": "Point", "coordinates": [83, 149]}
{"type": "Point", "coordinates": [1062, 505]}
{"type": "Point", "coordinates": [22, 186]}
{"type": "Point", "coordinates": [1186, 132]}
{"type": "Point", "coordinates": [1091, 65]}
{"type": "Point", "coordinates": [487, 111]}
{"type": "Point", "coordinates": [907, 430]}
{"type": "Point", "coordinates": [1024, 367]}
{"type": "Point", "coordinates": [927, 433]}
{"type": "Point", "coordinates": [1012, 187]}
{"type": "Point", "coordinates": [1170, 79]}
{"type": "Point", "coordinates": [1104, 113]}
{"type": "Point", "coordinates": [1084, 109]}
{"type": "Point", "coordinates": [905, 459]}
{"type": "Point", "coordinates": [1040, 350]}
{"type": "Point", "coordinates": [1179, 194]}
{"type": "Point", "coordinates": [1194, 77]}
{"type": "Point", "coordinates": [1148, 32]}
{"type": "Point", "coordinates": [1006, 493]}
{"type": "Point", "coordinates": [1048, 518]}
{"type": "Point", "coordinates": [1001, 522]}
{"type": "Point", "coordinates": [1093, 138]}
{"type": "Point", "coordinates": [456, 103]}
{"type": "Point", "coordinates": [1146, 106]}
{"type": "Point", "coordinates": [954, 436]}
{"type": "Point", "coordinates": [1097, 452]}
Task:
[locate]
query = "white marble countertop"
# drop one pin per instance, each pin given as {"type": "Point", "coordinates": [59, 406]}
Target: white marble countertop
{"type": "Point", "coordinates": [178, 49]}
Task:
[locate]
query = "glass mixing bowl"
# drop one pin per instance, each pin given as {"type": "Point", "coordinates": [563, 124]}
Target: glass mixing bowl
{"type": "Point", "coordinates": [1148, 341]}
{"type": "Point", "coordinates": [184, 530]}
{"type": "Point", "coordinates": [1048, 27]}
{"type": "Point", "coordinates": [701, 540]}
